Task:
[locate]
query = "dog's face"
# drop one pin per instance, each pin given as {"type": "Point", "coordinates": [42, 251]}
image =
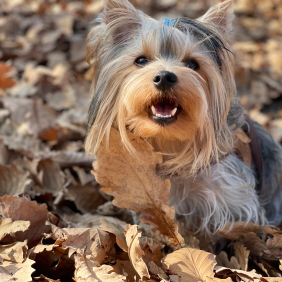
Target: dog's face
{"type": "Point", "coordinates": [168, 81]}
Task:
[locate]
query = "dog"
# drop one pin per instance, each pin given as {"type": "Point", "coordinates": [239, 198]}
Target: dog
{"type": "Point", "coordinates": [171, 83]}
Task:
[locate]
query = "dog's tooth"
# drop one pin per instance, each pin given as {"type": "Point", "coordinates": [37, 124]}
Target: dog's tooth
{"type": "Point", "coordinates": [169, 115]}
{"type": "Point", "coordinates": [158, 115]}
{"type": "Point", "coordinates": [174, 111]}
{"type": "Point", "coordinates": [153, 110]}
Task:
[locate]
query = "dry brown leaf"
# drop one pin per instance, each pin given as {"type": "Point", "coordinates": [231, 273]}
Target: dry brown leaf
{"type": "Point", "coordinates": [120, 174]}
{"type": "Point", "coordinates": [68, 159]}
{"type": "Point", "coordinates": [25, 145]}
{"type": "Point", "coordinates": [53, 177]}
{"type": "Point", "coordinates": [274, 246]}
{"type": "Point", "coordinates": [223, 260]}
{"type": "Point", "coordinates": [190, 264]}
{"type": "Point", "coordinates": [22, 89]}
{"type": "Point", "coordinates": [41, 121]}
{"type": "Point", "coordinates": [210, 279]}
{"type": "Point", "coordinates": [8, 226]}
{"type": "Point", "coordinates": [125, 267]}
{"type": "Point", "coordinates": [190, 240]}
{"type": "Point", "coordinates": [5, 80]}
{"type": "Point", "coordinates": [18, 208]}
{"type": "Point", "coordinates": [117, 230]}
{"type": "Point", "coordinates": [43, 278]}
{"type": "Point", "coordinates": [242, 255]}
{"type": "Point", "coordinates": [152, 253]}
{"type": "Point", "coordinates": [87, 198]}
{"type": "Point", "coordinates": [135, 251]}
{"type": "Point", "coordinates": [13, 181]}
{"type": "Point", "coordinates": [61, 100]}
{"type": "Point", "coordinates": [84, 177]}
{"type": "Point", "coordinates": [261, 266]}
{"type": "Point", "coordinates": [253, 243]}
{"type": "Point", "coordinates": [154, 269]}
{"type": "Point", "coordinates": [87, 271]}
{"type": "Point", "coordinates": [15, 252]}
{"type": "Point", "coordinates": [95, 242]}
{"type": "Point", "coordinates": [271, 270]}
{"type": "Point", "coordinates": [90, 220]}
{"type": "Point", "coordinates": [224, 273]}
{"type": "Point", "coordinates": [19, 271]}
{"type": "Point", "coordinates": [237, 230]}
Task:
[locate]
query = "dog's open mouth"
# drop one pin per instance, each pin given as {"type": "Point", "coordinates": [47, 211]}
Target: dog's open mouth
{"type": "Point", "coordinates": [164, 112]}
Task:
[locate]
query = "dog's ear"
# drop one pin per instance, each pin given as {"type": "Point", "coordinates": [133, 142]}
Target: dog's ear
{"type": "Point", "coordinates": [220, 17]}
{"type": "Point", "coordinates": [110, 5]}
{"type": "Point", "coordinates": [121, 17]}
{"type": "Point", "coordinates": [115, 24]}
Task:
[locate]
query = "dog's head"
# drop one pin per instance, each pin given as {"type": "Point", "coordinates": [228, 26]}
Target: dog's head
{"type": "Point", "coordinates": [170, 82]}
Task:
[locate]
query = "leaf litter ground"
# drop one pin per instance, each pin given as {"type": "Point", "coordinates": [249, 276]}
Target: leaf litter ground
{"type": "Point", "coordinates": [57, 223]}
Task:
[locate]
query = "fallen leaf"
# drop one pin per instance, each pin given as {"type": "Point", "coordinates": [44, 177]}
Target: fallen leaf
{"type": "Point", "coordinates": [15, 252]}
{"type": "Point", "coordinates": [223, 260]}
{"type": "Point", "coordinates": [8, 226]}
{"type": "Point", "coordinates": [87, 198]}
{"type": "Point", "coordinates": [242, 255]}
{"type": "Point", "coordinates": [94, 242]}
{"type": "Point", "coordinates": [13, 181]}
{"type": "Point", "coordinates": [19, 271]}
{"type": "Point", "coordinates": [235, 231]}
{"type": "Point", "coordinates": [190, 264]}
{"type": "Point", "coordinates": [18, 208]}
{"type": "Point", "coordinates": [253, 243]}
{"type": "Point", "coordinates": [121, 174]}
{"type": "Point", "coordinates": [53, 177]}
{"type": "Point", "coordinates": [135, 251]}
{"type": "Point", "coordinates": [86, 270]}
{"type": "Point", "coordinates": [153, 268]}
{"type": "Point", "coordinates": [117, 230]}
{"type": "Point", "coordinates": [5, 80]}
{"type": "Point", "coordinates": [224, 273]}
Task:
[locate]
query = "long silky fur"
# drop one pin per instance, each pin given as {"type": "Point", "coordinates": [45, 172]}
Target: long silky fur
{"type": "Point", "coordinates": [210, 186]}
{"type": "Point", "coordinates": [213, 198]}
{"type": "Point", "coordinates": [111, 49]}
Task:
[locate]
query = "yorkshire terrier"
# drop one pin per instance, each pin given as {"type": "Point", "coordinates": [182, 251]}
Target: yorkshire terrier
{"type": "Point", "coordinates": [171, 83]}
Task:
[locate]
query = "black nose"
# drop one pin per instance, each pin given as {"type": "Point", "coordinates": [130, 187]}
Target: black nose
{"type": "Point", "coordinates": [164, 80]}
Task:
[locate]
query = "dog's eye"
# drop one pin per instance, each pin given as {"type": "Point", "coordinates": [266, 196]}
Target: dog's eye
{"type": "Point", "coordinates": [141, 61]}
{"type": "Point", "coordinates": [192, 65]}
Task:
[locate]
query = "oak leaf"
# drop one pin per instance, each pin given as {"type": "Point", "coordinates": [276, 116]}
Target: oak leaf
{"type": "Point", "coordinates": [134, 183]}
{"type": "Point", "coordinates": [13, 181]}
{"type": "Point", "coordinates": [239, 274]}
{"type": "Point", "coordinates": [15, 252]}
{"type": "Point", "coordinates": [18, 208]}
{"type": "Point", "coordinates": [235, 231]}
{"type": "Point", "coordinates": [21, 271]}
{"type": "Point", "coordinates": [191, 265]}
{"type": "Point", "coordinates": [95, 242]}
{"type": "Point", "coordinates": [117, 230]}
{"type": "Point", "coordinates": [87, 271]}
{"type": "Point", "coordinates": [135, 251]}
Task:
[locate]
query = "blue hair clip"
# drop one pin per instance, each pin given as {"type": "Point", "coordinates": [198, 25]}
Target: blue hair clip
{"type": "Point", "coordinates": [169, 22]}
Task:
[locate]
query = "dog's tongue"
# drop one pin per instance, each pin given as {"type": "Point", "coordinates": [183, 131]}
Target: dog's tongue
{"type": "Point", "coordinates": [164, 107]}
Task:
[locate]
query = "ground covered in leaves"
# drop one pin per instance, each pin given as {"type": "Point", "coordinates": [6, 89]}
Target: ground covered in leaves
{"type": "Point", "coordinates": [62, 226]}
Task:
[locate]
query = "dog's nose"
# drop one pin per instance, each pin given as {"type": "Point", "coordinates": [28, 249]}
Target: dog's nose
{"type": "Point", "coordinates": [164, 80]}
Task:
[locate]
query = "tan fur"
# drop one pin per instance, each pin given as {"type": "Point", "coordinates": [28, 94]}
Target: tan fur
{"type": "Point", "coordinates": [200, 136]}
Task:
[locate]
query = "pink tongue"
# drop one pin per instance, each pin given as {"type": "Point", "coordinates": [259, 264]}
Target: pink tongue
{"type": "Point", "coordinates": [164, 107]}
